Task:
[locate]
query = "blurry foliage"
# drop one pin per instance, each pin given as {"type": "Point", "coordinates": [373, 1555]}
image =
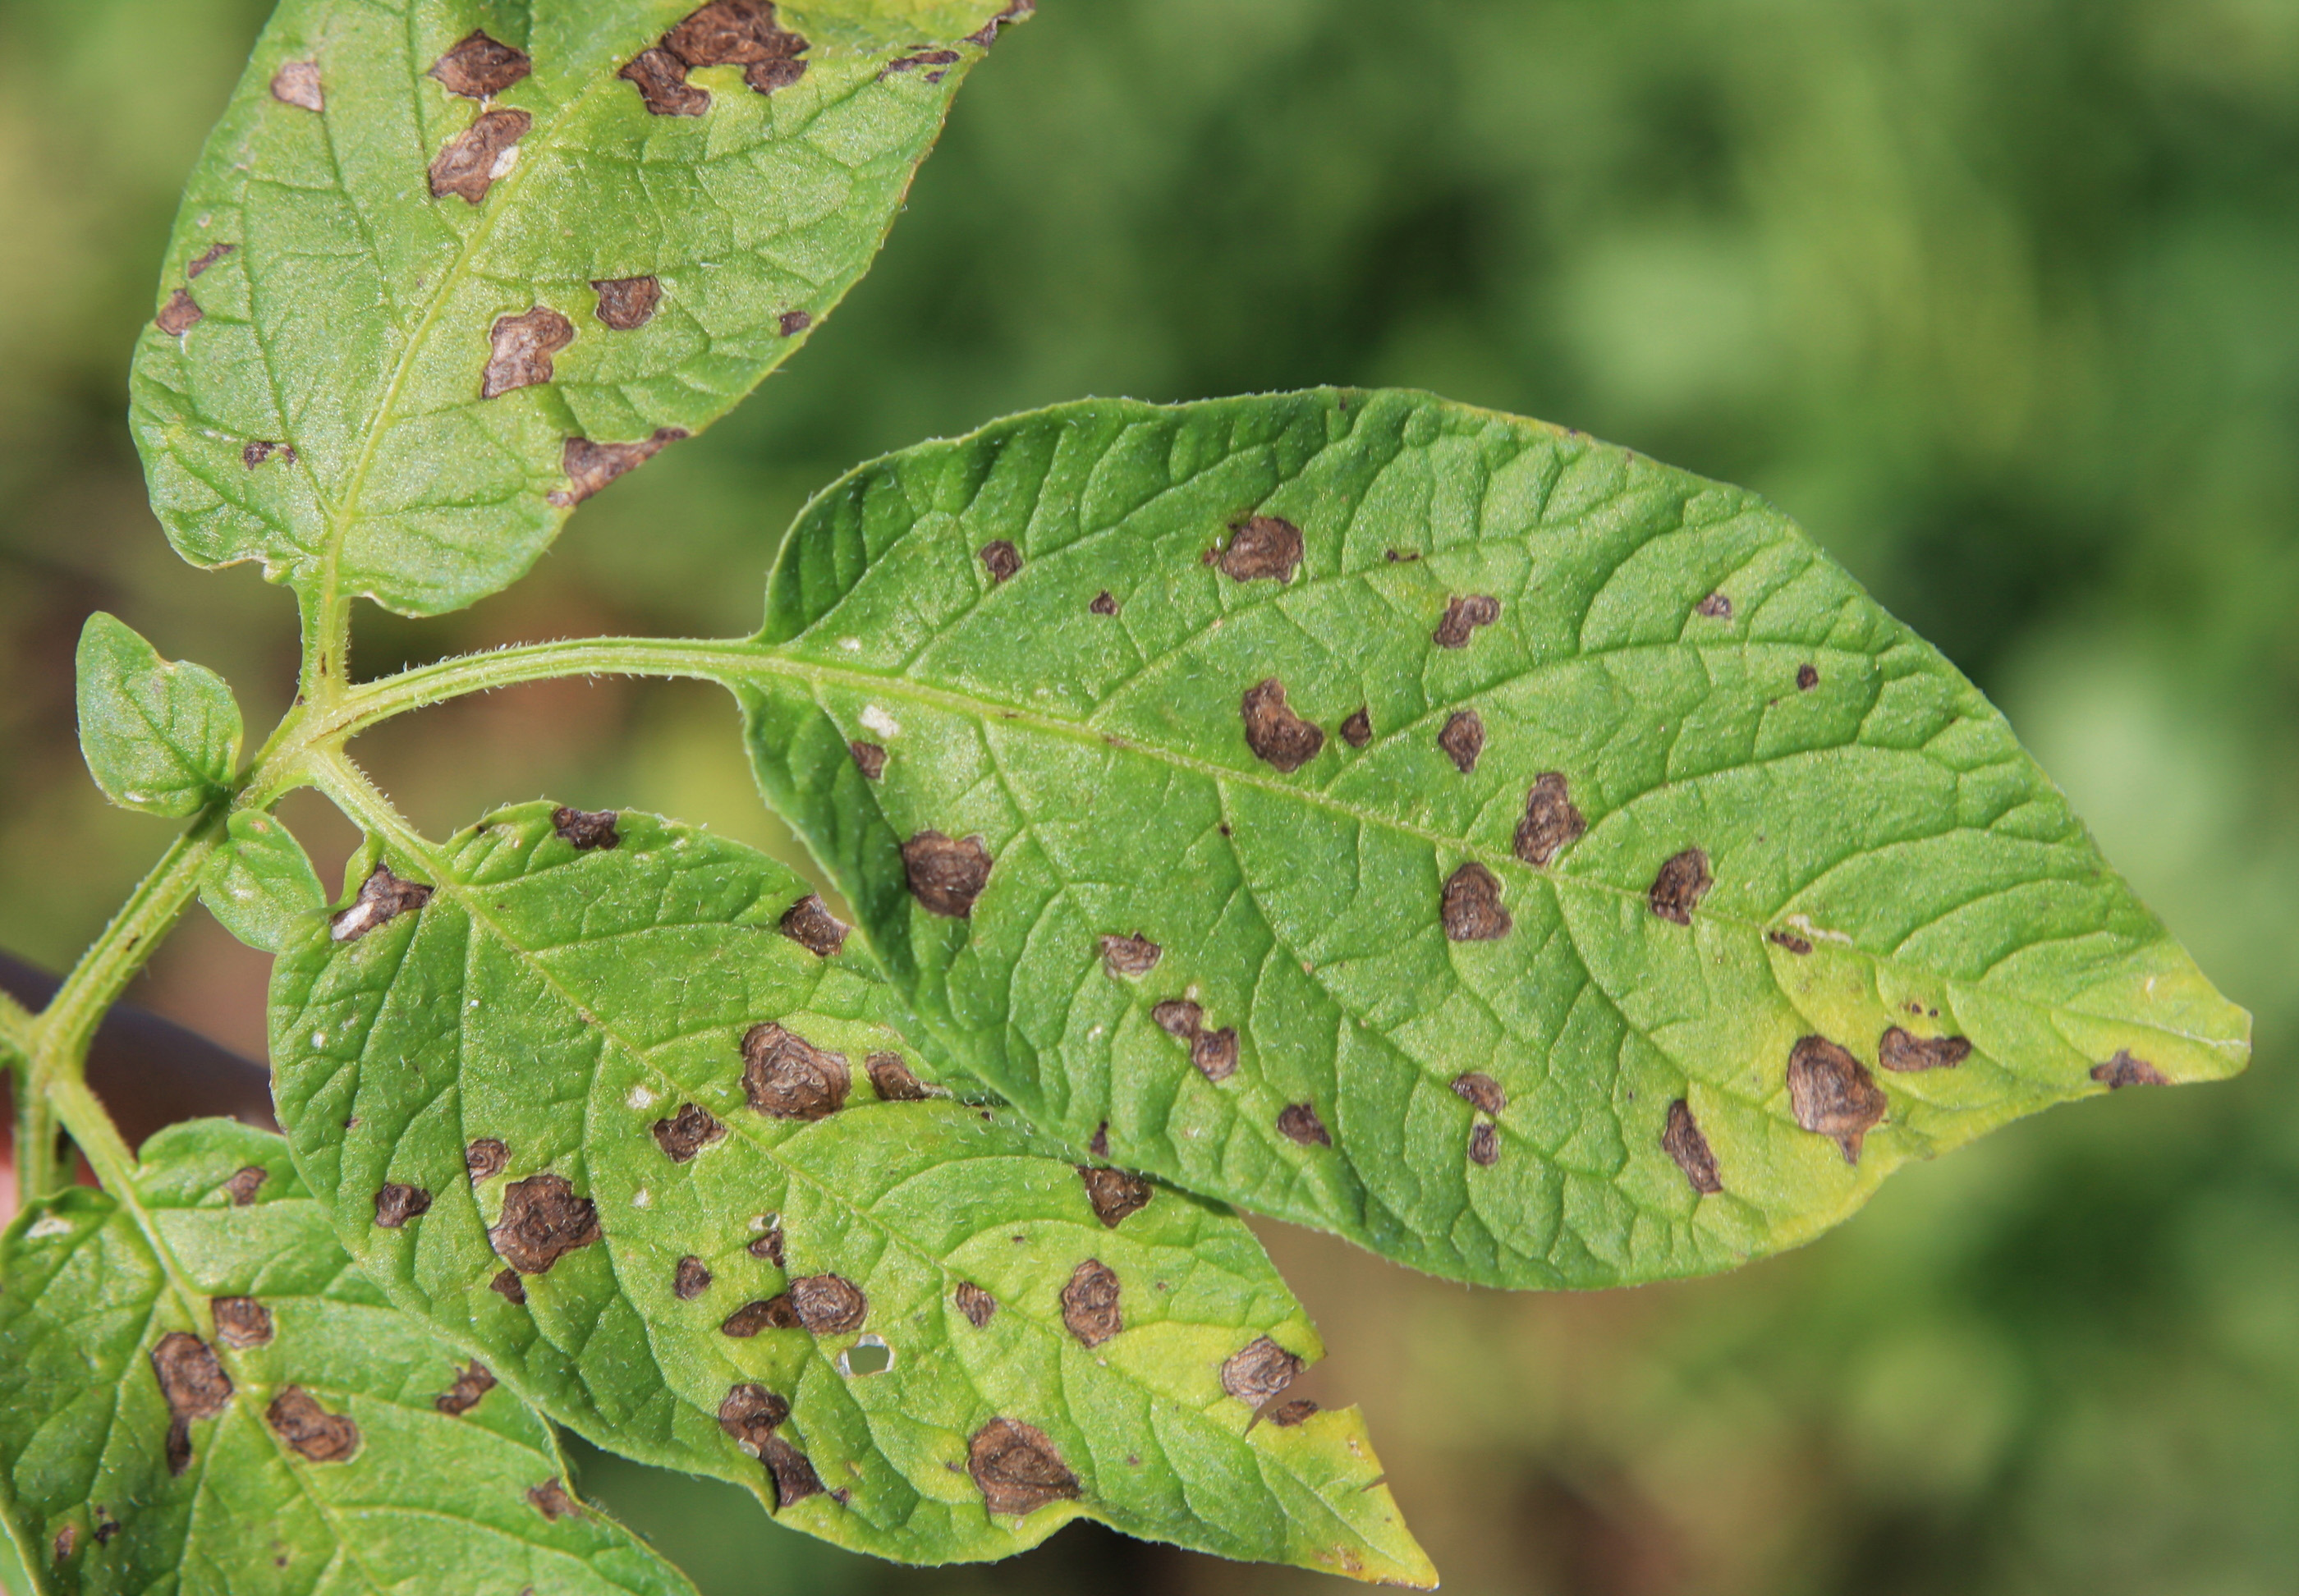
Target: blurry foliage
{"type": "Point", "coordinates": [1996, 296]}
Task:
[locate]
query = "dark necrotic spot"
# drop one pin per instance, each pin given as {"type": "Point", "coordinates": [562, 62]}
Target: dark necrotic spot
{"type": "Point", "coordinates": [486, 1159]}
{"type": "Point", "coordinates": [1098, 1144]}
{"type": "Point", "coordinates": [1000, 560]}
{"type": "Point", "coordinates": [1114, 1194]}
{"type": "Point", "coordinates": [190, 1378]}
{"type": "Point", "coordinates": [1356, 731]}
{"type": "Point", "coordinates": [1274, 732]}
{"type": "Point", "coordinates": [922, 58]}
{"type": "Point", "coordinates": [1297, 1122]}
{"type": "Point", "coordinates": [828, 1304]}
{"type": "Point", "coordinates": [1123, 956]}
{"type": "Point", "coordinates": [297, 84]}
{"type": "Point", "coordinates": [1680, 1137]}
{"type": "Point", "coordinates": [241, 1321]}
{"type": "Point", "coordinates": [209, 257]}
{"type": "Point", "coordinates": [383, 897]}
{"type": "Point", "coordinates": [1017, 1468]}
{"type": "Point", "coordinates": [508, 1286]}
{"type": "Point", "coordinates": [67, 1542]}
{"type": "Point", "coordinates": [768, 1245]}
{"type": "Point", "coordinates": [794, 322]}
{"type": "Point", "coordinates": [1807, 677]}
{"type": "Point", "coordinates": [1715, 607]}
{"type": "Point", "coordinates": [590, 467]}
{"type": "Point", "coordinates": [396, 1204]}
{"type": "Point", "coordinates": [178, 316]}
{"type": "Point", "coordinates": [732, 33]}
{"type": "Point", "coordinates": [987, 34]}
{"type": "Point", "coordinates": [1682, 882]}
{"type": "Point", "coordinates": [662, 85]}
{"type": "Point", "coordinates": [690, 1280]}
{"type": "Point", "coordinates": [1484, 1145]}
{"type": "Point", "coordinates": [309, 1430]}
{"type": "Point", "coordinates": [551, 1499]}
{"type": "Point", "coordinates": [1463, 740]}
{"type": "Point", "coordinates": [106, 1526]}
{"type": "Point", "coordinates": [786, 1076]}
{"type": "Point", "coordinates": [977, 1304]}
{"type": "Point", "coordinates": [1178, 1017]}
{"type": "Point", "coordinates": [1790, 941]}
{"type": "Point", "coordinates": [1263, 545]}
{"type": "Point", "coordinates": [1832, 1094]}
{"type": "Point", "coordinates": [1259, 1371]}
{"type": "Point", "coordinates": [811, 925]}
{"type": "Point", "coordinates": [242, 1186]}
{"type": "Point", "coordinates": [473, 1381]}
{"type": "Point", "coordinates": [751, 1414]}
{"type": "Point", "coordinates": [478, 67]}
{"type": "Point", "coordinates": [770, 1313]}
{"type": "Point", "coordinates": [870, 758]}
{"type": "Point", "coordinates": [946, 875]}
{"type": "Point", "coordinates": [259, 450]}
{"type": "Point", "coordinates": [467, 164]}
{"type": "Point", "coordinates": [1089, 1303]}
{"type": "Point", "coordinates": [794, 1479]}
{"type": "Point", "coordinates": [176, 1448]}
{"type": "Point", "coordinates": [586, 829]}
{"type": "Point", "coordinates": [1286, 1415]}
{"type": "Point", "coordinates": [1471, 907]}
{"type": "Point", "coordinates": [1214, 1053]}
{"type": "Point", "coordinates": [1551, 823]}
{"type": "Point", "coordinates": [1464, 616]}
{"type": "Point", "coordinates": [1103, 604]}
{"type": "Point", "coordinates": [1904, 1053]}
{"type": "Point", "coordinates": [687, 1133]}
{"type": "Point", "coordinates": [1479, 1091]}
{"type": "Point", "coordinates": [767, 76]}
{"type": "Point", "coordinates": [626, 303]}
{"type": "Point", "coordinates": [2124, 1070]}
{"type": "Point", "coordinates": [892, 1080]}
{"type": "Point", "coordinates": [542, 1221]}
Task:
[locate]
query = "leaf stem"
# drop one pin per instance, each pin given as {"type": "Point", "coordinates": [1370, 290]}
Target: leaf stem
{"type": "Point", "coordinates": [717, 660]}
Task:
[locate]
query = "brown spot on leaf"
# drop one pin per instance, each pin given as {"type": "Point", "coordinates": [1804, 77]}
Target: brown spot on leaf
{"type": "Point", "coordinates": [508, 1286]}
{"type": "Point", "coordinates": [241, 1321]}
{"type": "Point", "coordinates": [1484, 1145]}
{"type": "Point", "coordinates": [1103, 604]}
{"type": "Point", "coordinates": [1259, 1371]}
{"type": "Point", "coordinates": [1114, 1194]}
{"type": "Point", "coordinates": [467, 164]}
{"type": "Point", "coordinates": [395, 1204]}
{"type": "Point", "coordinates": [987, 34]}
{"type": "Point", "coordinates": [1297, 1122]}
{"type": "Point", "coordinates": [768, 1245]}
{"type": "Point", "coordinates": [259, 450]}
{"type": "Point", "coordinates": [1682, 882]}
{"type": "Point", "coordinates": [542, 1221]}
{"type": "Point", "coordinates": [478, 67]}
{"type": "Point", "coordinates": [209, 257]}
{"type": "Point", "coordinates": [1682, 1139]}
{"type": "Point", "coordinates": [771, 1313]}
{"type": "Point", "coordinates": [1178, 1017]}
{"type": "Point", "coordinates": [178, 316]}
{"type": "Point", "coordinates": [587, 829]}
{"type": "Point", "coordinates": [309, 1430]}
{"type": "Point", "coordinates": [828, 1304]}
{"type": "Point", "coordinates": [1123, 956]}
{"type": "Point", "coordinates": [1214, 1053]}
{"type": "Point", "coordinates": [750, 1414]}
{"type": "Point", "coordinates": [67, 1542]}
{"type": "Point", "coordinates": [1471, 907]}
{"type": "Point", "coordinates": [810, 923]}
{"type": "Point", "coordinates": [661, 80]}
{"type": "Point", "coordinates": [177, 1449]}
{"type": "Point", "coordinates": [1089, 1303]}
{"type": "Point", "coordinates": [1903, 1053]}
{"type": "Point", "coordinates": [1274, 732]}
{"type": "Point", "coordinates": [1463, 740]}
{"type": "Point", "coordinates": [793, 1476]}
{"type": "Point", "coordinates": [297, 84]}
{"type": "Point", "coordinates": [106, 1526]}
{"type": "Point", "coordinates": [590, 467]}
{"type": "Point", "coordinates": [1286, 1415]}
{"type": "Point", "coordinates": [1479, 1091]}
{"type": "Point", "coordinates": [767, 76]}
{"type": "Point", "coordinates": [552, 1500]}
{"type": "Point", "coordinates": [977, 1304]}
{"type": "Point", "coordinates": [1002, 559]}
{"type": "Point", "coordinates": [786, 1076]}
{"type": "Point", "coordinates": [1807, 678]}
{"type": "Point", "coordinates": [922, 58]}
{"type": "Point", "coordinates": [946, 875]}
{"type": "Point", "coordinates": [732, 33]}
{"type": "Point", "coordinates": [1017, 1468]}
{"type": "Point", "coordinates": [687, 1133]}
{"type": "Point", "coordinates": [473, 1381]}
{"type": "Point", "coordinates": [1098, 1143]}
{"type": "Point", "coordinates": [242, 1185]}
{"type": "Point", "coordinates": [794, 322]}
{"type": "Point", "coordinates": [2124, 1070]}
{"type": "Point", "coordinates": [690, 1280]}
{"type": "Point", "coordinates": [626, 303]}
{"type": "Point", "coordinates": [1790, 940]}
{"type": "Point", "coordinates": [1463, 617]}
{"type": "Point", "coordinates": [1832, 1094]}
{"type": "Point", "coordinates": [1551, 823]}
{"type": "Point", "coordinates": [1715, 607]}
{"type": "Point", "coordinates": [383, 897]}
{"type": "Point", "coordinates": [870, 758]}
{"type": "Point", "coordinates": [1262, 546]}
{"type": "Point", "coordinates": [892, 1080]}
{"type": "Point", "coordinates": [486, 1159]}
{"type": "Point", "coordinates": [191, 1380]}
{"type": "Point", "coordinates": [1356, 731]}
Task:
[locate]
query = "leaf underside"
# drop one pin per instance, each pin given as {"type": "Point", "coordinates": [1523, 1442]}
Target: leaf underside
{"type": "Point", "coordinates": [1577, 879]}
{"type": "Point", "coordinates": [351, 1452]}
{"type": "Point", "coordinates": [610, 278]}
{"type": "Point", "coordinates": [584, 1018]}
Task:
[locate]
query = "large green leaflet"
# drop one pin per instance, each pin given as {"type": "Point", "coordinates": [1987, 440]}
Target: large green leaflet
{"type": "Point", "coordinates": [351, 1452]}
{"type": "Point", "coordinates": [1560, 872]}
{"type": "Point", "coordinates": [427, 293]}
{"type": "Point", "coordinates": [575, 1106]}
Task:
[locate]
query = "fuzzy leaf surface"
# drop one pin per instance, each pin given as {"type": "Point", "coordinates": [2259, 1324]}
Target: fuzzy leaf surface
{"type": "Point", "coordinates": [310, 392]}
{"type": "Point", "coordinates": [573, 1020]}
{"type": "Point", "coordinates": [402, 1494]}
{"type": "Point", "coordinates": [158, 735]}
{"type": "Point", "coordinates": [1395, 726]}
{"type": "Point", "coordinates": [261, 881]}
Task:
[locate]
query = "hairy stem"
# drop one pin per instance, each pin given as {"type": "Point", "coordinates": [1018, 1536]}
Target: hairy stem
{"type": "Point", "coordinates": [378, 701]}
{"type": "Point", "coordinates": [36, 1164]}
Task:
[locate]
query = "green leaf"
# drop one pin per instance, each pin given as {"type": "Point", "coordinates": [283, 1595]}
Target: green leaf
{"type": "Point", "coordinates": [350, 1451]}
{"type": "Point", "coordinates": [562, 1048]}
{"type": "Point", "coordinates": [373, 241]}
{"type": "Point", "coordinates": [261, 881]}
{"type": "Point", "coordinates": [158, 736]}
{"type": "Point", "coordinates": [1460, 987]}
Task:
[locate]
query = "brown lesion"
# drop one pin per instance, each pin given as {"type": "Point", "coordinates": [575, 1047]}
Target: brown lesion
{"type": "Point", "coordinates": [1115, 1194]}
{"type": "Point", "coordinates": [1682, 881]}
{"type": "Point", "coordinates": [977, 1305]}
{"type": "Point", "coordinates": [1277, 735]}
{"type": "Point", "coordinates": [1470, 907]}
{"type": "Point", "coordinates": [180, 315]}
{"type": "Point", "coordinates": [1356, 731]}
{"type": "Point", "coordinates": [687, 1133]}
{"type": "Point", "coordinates": [396, 1202]}
{"type": "Point", "coordinates": [473, 1381]}
{"type": "Point", "coordinates": [1089, 1303]}
{"type": "Point", "coordinates": [1002, 559]}
{"type": "Point", "coordinates": [1259, 1371]}
{"type": "Point", "coordinates": [870, 758]}
{"type": "Point", "coordinates": [741, 33]}
{"type": "Point", "coordinates": [309, 1430]}
{"type": "Point", "coordinates": [590, 466]}
{"type": "Point", "coordinates": [660, 79]}
{"type": "Point", "coordinates": [1905, 1054]}
{"type": "Point", "coordinates": [2125, 1070]}
{"type": "Point", "coordinates": [383, 897]}
{"type": "Point", "coordinates": [751, 1414]}
{"type": "Point", "coordinates": [1479, 1091]}
{"type": "Point", "coordinates": [194, 1385]}
{"type": "Point", "coordinates": [1017, 1467]}
{"type": "Point", "coordinates": [689, 1278]}
{"type": "Point", "coordinates": [241, 1322]}
{"type": "Point", "coordinates": [550, 1498]}
{"type": "Point", "coordinates": [542, 1221]}
{"type": "Point", "coordinates": [1551, 822]}
{"type": "Point", "coordinates": [1262, 547]}
{"type": "Point", "coordinates": [586, 829]}
{"type": "Point", "coordinates": [1463, 616]}
{"type": "Point", "coordinates": [1682, 1139]}
{"type": "Point", "coordinates": [1122, 957]}
{"type": "Point", "coordinates": [467, 164]}
{"type": "Point", "coordinates": [792, 1476]}
{"type": "Point", "coordinates": [945, 874]}
{"type": "Point", "coordinates": [297, 83]}
{"type": "Point", "coordinates": [810, 923]}
{"type": "Point", "coordinates": [1832, 1094]}
{"type": "Point", "coordinates": [893, 1080]}
{"type": "Point", "coordinates": [626, 304]}
{"type": "Point", "coordinates": [1463, 740]}
{"type": "Point", "coordinates": [785, 1076]}
{"type": "Point", "coordinates": [478, 67]}
{"type": "Point", "coordinates": [484, 1159]}
{"type": "Point", "coordinates": [1298, 1123]}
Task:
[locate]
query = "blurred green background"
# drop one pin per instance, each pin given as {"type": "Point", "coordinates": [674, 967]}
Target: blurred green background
{"type": "Point", "coordinates": [2000, 297]}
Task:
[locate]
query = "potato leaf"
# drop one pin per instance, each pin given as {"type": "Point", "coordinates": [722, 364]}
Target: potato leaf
{"type": "Point", "coordinates": [1537, 864]}
{"type": "Point", "coordinates": [158, 736]}
{"type": "Point", "coordinates": [600, 1098]}
{"type": "Point", "coordinates": [261, 881]}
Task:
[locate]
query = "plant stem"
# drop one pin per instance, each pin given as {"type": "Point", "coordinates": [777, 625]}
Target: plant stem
{"type": "Point", "coordinates": [378, 701]}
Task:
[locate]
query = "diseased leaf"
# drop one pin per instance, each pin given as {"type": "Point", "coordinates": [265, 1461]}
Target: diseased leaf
{"type": "Point", "coordinates": [429, 289]}
{"type": "Point", "coordinates": [597, 1110]}
{"type": "Point", "coordinates": [262, 1420]}
{"type": "Point", "coordinates": [1537, 864]}
{"type": "Point", "coordinates": [158, 736]}
{"type": "Point", "coordinates": [260, 881]}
